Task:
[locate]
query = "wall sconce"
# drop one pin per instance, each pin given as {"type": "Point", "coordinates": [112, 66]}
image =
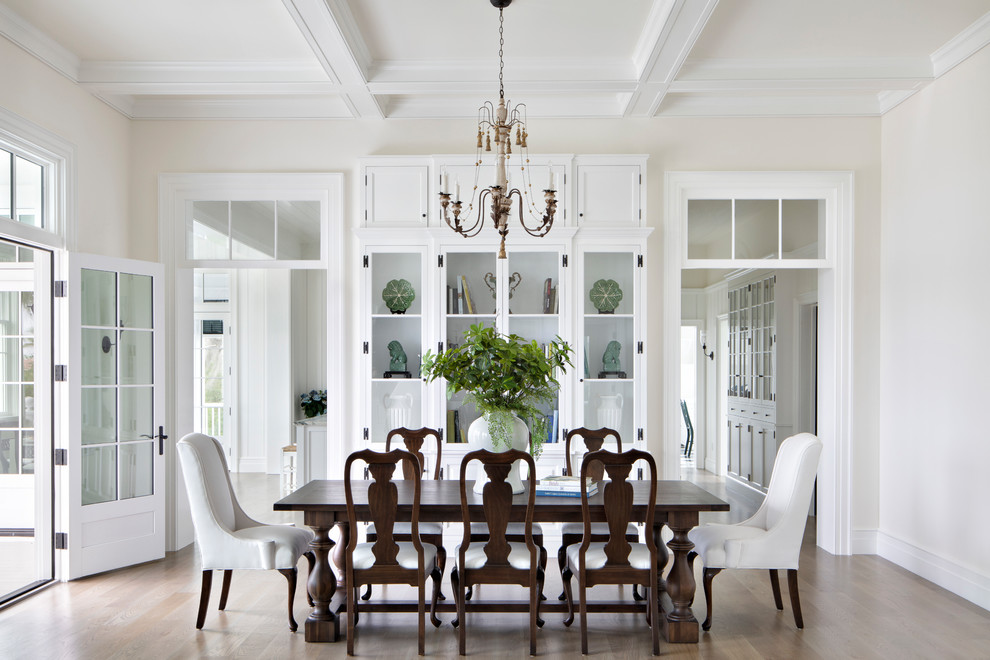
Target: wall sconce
{"type": "Point", "coordinates": [704, 347]}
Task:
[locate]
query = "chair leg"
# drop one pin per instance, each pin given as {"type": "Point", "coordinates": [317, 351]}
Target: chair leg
{"type": "Point", "coordinates": [540, 580]}
{"type": "Point", "coordinates": [795, 599]}
{"type": "Point", "coordinates": [367, 592]}
{"type": "Point", "coordinates": [421, 613]}
{"type": "Point", "coordinates": [204, 598]}
{"type": "Point", "coordinates": [437, 577]}
{"type": "Point", "coordinates": [566, 577]}
{"type": "Point", "coordinates": [351, 611]}
{"type": "Point", "coordinates": [437, 540]}
{"type": "Point", "coordinates": [291, 574]}
{"type": "Point", "coordinates": [225, 589]}
{"type": "Point", "coordinates": [543, 567]}
{"type": "Point", "coordinates": [461, 622]}
{"type": "Point", "coordinates": [775, 586]}
{"type": "Point", "coordinates": [534, 604]}
{"type": "Point", "coordinates": [562, 563]}
{"type": "Point", "coordinates": [707, 578]}
{"type": "Point", "coordinates": [311, 560]}
{"type": "Point", "coordinates": [583, 613]}
{"type": "Point", "coordinates": [654, 607]}
{"type": "Point", "coordinates": [455, 586]}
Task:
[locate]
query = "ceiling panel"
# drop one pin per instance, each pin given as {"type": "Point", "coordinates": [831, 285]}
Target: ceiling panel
{"type": "Point", "coordinates": [173, 31]}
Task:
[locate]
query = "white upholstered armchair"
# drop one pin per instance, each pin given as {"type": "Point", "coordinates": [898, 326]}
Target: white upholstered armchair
{"type": "Point", "coordinates": [227, 537]}
{"type": "Point", "coordinates": [771, 539]}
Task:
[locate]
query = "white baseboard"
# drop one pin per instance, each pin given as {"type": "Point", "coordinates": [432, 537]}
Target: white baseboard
{"type": "Point", "coordinates": [710, 464]}
{"type": "Point", "coordinates": [256, 464]}
{"type": "Point", "coordinates": [863, 542]}
{"type": "Point", "coordinates": [961, 581]}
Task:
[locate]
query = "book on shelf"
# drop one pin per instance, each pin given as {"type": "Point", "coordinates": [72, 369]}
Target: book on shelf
{"type": "Point", "coordinates": [451, 435]}
{"type": "Point", "coordinates": [461, 309]}
{"type": "Point", "coordinates": [547, 290]}
{"type": "Point", "coordinates": [467, 296]}
{"type": "Point", "coordinates": [556, 301]}
{"type": "Point", "coordinates": [457, 426]}
{"type": "Point", "coordinates": [552, 427]}
{"type": "Point", "coordinates": [451, 300]}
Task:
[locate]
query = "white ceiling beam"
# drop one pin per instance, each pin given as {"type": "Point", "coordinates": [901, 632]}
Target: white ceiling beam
{"type": "Point", "coordinates": [332, 33]}
{"type": "Point", "coordinates": [771, 105]}
{"type": "Point", "coordinates": [670, 33]}
{"type": "Point", "coordinates": [486, 71]}
{"type": "Point", "coordinates": [192, 72]}
{"type": "Point", "coordinates": [281, 107]}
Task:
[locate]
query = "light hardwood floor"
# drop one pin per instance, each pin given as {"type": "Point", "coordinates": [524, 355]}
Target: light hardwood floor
{"type": "Point", "coordinates": [854, 607]}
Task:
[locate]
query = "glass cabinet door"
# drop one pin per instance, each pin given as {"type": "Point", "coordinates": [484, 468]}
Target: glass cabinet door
{"type": "Point", "coordinates": [607, 354]}
{"type": "Point", "coordinates": [533, 289]}
{"type": "Point", "coordinates": [470, 295]}
{"type": "Point", "coordinates": [394, 342]}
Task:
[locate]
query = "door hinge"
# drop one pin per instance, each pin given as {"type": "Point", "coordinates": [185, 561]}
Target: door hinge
{"type": "Point", "coordinates": [639, 347]}
{"type": "Point", "coordinates": [61, 373]}
{"type": "Point", "coordinates": [639, 434]}
{"type": "Point", "coordinates": [640, 179]}
{"type": "Point", "coordinates": [564, 260]}
{"type": "Point", "coordinates": [365, 348]}
{"type": "Point", "coordinates": [365, 179]}
{"type": "Point", "coordinates": [639, 261]}
{"type": "Point", "coordinates": [61, 541]}
{"type": "Point", "coordinates": [366, 215]}
{"type": "Point", "coordinates": [61, 457]}
{"type": "Point", "coordinates": [365, 432]}
{"type": "Point", "coordinates": [439, 347]}
{"type": "Point", "coordinates": [441, 435]}
{"type": "Point", "coordinates": [366, 261]}
{"type": "Point", "coordinates": [641, 214]}
{"type": "Point", "coordinates": [60, 289]}
{"type": "Point", "coordinates": [439, 261]}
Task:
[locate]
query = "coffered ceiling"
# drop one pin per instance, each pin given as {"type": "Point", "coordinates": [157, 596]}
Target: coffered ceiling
{"type": "Point", "coordinates": [342, 59]}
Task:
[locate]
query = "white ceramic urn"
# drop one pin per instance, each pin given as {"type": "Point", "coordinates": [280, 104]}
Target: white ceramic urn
{"type": "Point", "coordinates": [480, 438]}
{"type": "Point", "coordinates": [610, 411]}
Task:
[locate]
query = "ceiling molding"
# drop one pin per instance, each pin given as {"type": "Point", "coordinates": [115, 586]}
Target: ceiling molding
{"type": "Point", "coordinates": [39, 44]}
{"type": "Point", "coordinates": [962, 46]}
{"type": "Point", "coordinates": [332, 33]}
{"type": "Point", "coordinates": [577, 106]}
{"type": "Point", "coordinates": [651, 39]}
{"type": "Point", "coordinates": [485, 71]}
{"type": "Point", "coordinates": [892, 98]}
{"type": "Point", "coordinates": [150, 73]}
{"type": "Point", "coordinates": [770, 105]}
{"type": "Point", "coordinates": [806, 68]}
{"type": "Point", "coordinates": [281, 107]}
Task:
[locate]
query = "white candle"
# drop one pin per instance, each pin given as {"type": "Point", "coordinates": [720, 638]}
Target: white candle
{"type": "Point", "coordinates": [457, 190]}
{"type": "Point", "coordinates": [553, 179]}
{"type": "Point", "coordinates": [443, 180]}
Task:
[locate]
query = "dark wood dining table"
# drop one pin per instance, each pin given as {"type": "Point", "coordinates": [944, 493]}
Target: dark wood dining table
{"type": "Point", "coordinates": [324, 507]}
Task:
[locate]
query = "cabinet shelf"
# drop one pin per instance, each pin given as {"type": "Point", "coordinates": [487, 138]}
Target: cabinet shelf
{"type": "Point", "coordinates": [609, 316]}
{"type": "Point", "coordinates": [396, 316]}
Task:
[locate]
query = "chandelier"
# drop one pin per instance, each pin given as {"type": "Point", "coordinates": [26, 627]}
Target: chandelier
{"type": "Point", "coordinates": [497, 123]}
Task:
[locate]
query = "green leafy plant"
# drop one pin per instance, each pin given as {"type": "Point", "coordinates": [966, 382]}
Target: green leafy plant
{"type": "Point", "coordinates": [313, 402]}
{"type": "Point", "coordinates": [503, 375]}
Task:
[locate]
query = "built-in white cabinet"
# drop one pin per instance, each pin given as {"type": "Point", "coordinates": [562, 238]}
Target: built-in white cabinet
{"type": "Point", "coordinates": [542, 290]}
{"type": "Point", "coordinates": [397, 192]}
{"type": "Point", "coordinates": [760, 394]}
{"type": "Point", "coordinates": [610, 191]}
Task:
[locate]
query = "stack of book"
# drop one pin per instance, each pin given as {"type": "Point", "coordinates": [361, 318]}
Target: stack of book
{"type": "Point", "coordinates": [564, 487]}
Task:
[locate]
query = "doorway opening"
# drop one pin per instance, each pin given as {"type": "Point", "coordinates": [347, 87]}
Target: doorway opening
{"type": "Point", "coordinates": [26, 446]}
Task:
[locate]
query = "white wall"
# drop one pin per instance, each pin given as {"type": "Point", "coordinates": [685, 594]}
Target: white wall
{"type": "Point", "coordinates": [934, 445]}
{"type": "Point", "coordinates": [673, 144]}
{"type": "Point", "coordinates": [101, 138]}
{"type": "Point", "coordinates": [309, 334]}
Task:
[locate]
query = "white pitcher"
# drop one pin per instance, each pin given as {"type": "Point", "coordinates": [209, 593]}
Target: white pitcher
{"type": "Point", "coordinates": [610, 411]}
{"type": "Point", "coordinates": [398, 410]}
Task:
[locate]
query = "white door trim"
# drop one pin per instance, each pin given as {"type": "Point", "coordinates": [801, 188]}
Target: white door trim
{"type": "Point", "coordinates": [835, 282]}
{"type": "Point", "coordinates": [173, 191]}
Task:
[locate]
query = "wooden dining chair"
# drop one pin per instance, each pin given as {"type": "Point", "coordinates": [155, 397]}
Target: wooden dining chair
{"type": "Point", "coordinates": [387, 561]}
{"type": "Point", "coordinates": [513, 532]}
{"type": "Point", "coordinates": [430, 532]}
{"type": "Point", "coordinates": [615, 561]}
{"type": "Point", "coordinates": [497, 560]}
{"type": "Point", "coordinates": [571, 533]}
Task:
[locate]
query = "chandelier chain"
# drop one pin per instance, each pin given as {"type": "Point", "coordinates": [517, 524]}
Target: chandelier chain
{"type": "Point", "coordinates": [501, 64]}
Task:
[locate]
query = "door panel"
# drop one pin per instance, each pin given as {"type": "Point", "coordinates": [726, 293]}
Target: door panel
{"type": "Point", "coordinates": [116, 469]}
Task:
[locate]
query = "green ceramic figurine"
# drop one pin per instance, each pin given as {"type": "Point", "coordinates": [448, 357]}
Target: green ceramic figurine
{"type": "Point", "coordinates": [397, 362]}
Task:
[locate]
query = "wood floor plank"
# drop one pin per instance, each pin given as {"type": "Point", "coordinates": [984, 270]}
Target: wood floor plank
{"type": "Point", "coordinates": [854, 607]}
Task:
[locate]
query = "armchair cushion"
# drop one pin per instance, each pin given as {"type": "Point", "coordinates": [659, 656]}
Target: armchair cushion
{"type": "Point", "coordinates": [288, 543]}
{"type": "Point", "coordinates": [710, 543]}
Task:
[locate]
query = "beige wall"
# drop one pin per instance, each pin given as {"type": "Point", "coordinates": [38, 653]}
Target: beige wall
{"type": "Point", "coordinates": [100, 135]}
{"type": "Point", "coordinates": [673, 144]}
{"type": "Point", "coordinates": [934, 444]}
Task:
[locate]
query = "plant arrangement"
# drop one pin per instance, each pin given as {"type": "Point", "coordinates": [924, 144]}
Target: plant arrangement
{"type": "Point", "coordinates": [503, 375]}
{"type": "Point", "coordinates": [314, 402]}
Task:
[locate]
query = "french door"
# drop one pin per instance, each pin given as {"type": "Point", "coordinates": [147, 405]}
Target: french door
{"type": "Point", "coordinates": [116, 463]}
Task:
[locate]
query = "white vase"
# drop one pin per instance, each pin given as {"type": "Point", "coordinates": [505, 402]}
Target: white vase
{"type": "Point", "coordinates": [480, 438]}
{"type": "Point", "coordinates": [610, 411]}
{"type": "Point", "coordinates": [398, 410]}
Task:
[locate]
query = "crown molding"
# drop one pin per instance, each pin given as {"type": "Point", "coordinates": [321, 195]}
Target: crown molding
{"type": "Point", "coordinates": [770, 105]}
{"type": "Point", "coordinates": [961, 46]}
{"type": "Point", "coordinates": [39, 44]}
{"type": "Point", "coordinates": [150, 73]}
{"type": "Point", "coordinates": [682, 25]}
{"type": "Point", "coordinates": [282, 107]}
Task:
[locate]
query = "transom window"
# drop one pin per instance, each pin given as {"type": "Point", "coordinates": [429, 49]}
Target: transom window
{"type": "Point", "coordinates": [22, 194]}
